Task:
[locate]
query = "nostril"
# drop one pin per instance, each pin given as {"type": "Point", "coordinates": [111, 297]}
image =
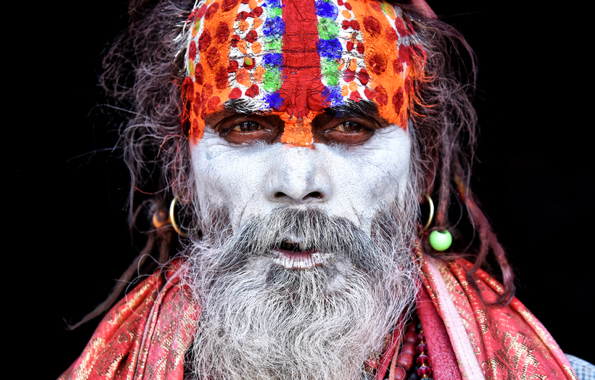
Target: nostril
{"type": "Point", "coordinates": [314, 194]}
{"type": "Point", "coordinates": [281, 196]}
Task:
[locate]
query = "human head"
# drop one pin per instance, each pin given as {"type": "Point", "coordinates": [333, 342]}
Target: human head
{"type": "Point", "coordinates": [304, 155]}
{"type": "Point", "coordinates": [145, 70]}
{"type": "Point", "coordinates": [440, 116]}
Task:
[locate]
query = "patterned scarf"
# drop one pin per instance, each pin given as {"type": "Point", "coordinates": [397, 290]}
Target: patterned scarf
{"type": "Point", "coordinates": [146, 335]}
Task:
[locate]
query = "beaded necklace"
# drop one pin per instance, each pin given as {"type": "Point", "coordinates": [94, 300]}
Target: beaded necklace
{"type": "Point", "coordinates": [410, 361]}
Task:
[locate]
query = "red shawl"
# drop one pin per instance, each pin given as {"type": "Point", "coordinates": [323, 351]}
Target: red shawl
{"type": "Point", "coordinates": [147, 333]}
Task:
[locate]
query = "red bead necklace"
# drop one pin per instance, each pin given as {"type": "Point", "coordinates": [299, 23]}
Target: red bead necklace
{"type": "Point", "coordinates": [413, 350]}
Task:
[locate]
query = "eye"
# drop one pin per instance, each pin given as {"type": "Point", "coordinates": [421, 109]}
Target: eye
{"type": "Point", "coordinates": [347, 132]}
{"type": "Point", "coordinates": [246, 129]}
{"type": "Point", "coordinates": [246, 126]}
{"type": "Point", "coordinates": [348, 127]}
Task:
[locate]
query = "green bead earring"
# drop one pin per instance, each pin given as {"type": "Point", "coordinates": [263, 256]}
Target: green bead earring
{"type": "Point", "coordinates": [440, 241]}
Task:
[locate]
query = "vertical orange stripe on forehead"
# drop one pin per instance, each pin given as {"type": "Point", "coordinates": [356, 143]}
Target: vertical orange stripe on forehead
{"type": "Point", "coordinates": [211, 87]}
{"type": "Point", "coordinates": [381, 58]}
{"type": "Point", "coordinates": [297, 131]}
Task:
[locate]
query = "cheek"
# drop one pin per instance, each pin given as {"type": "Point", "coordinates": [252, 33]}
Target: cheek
{"type": "Point", "coordinates": [370, 176]}
{"type": "Point", "coordinates": [228, 177]}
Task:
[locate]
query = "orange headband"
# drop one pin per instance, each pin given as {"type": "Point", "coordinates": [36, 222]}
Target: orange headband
{"type": "Point", "coordinates": [294, 58]}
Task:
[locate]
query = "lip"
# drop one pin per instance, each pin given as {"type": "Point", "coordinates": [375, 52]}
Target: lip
{"type": "Point", "coordinates": [300, 259]}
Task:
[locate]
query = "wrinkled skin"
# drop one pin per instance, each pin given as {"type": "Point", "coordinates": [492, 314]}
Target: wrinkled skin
{"type": "Point", "coordinates": [345, 176]}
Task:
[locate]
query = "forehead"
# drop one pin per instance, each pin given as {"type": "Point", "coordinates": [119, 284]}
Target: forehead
{"type": "Point", "coordinates": [296, 58]}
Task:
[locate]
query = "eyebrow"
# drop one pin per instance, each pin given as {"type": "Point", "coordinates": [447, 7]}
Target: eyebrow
{"type": "Point", "coordinates": [363, 108]}
{"type": "Point", "coordinates": [242, 106]}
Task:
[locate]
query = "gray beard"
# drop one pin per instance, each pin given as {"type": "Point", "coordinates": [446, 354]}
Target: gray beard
{"type": "Point", "coordinates": [262, 321]}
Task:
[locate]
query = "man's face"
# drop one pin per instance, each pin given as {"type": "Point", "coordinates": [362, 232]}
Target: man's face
{"type": "Point", "coordinates": [300, 104]}
{"type": "Point", "coordinates": [298, 116]}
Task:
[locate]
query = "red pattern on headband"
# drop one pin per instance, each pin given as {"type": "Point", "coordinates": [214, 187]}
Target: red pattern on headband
{"type": "Point", "coordinates": [302, 87]}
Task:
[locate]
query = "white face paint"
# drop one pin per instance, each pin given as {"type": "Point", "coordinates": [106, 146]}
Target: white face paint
{"type": "Point", "coordinates": [345, 296]}
{"type": "Point", "coordinates": [351, 182]}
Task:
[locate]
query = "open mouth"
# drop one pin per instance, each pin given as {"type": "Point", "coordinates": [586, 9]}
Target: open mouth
{"type": "Point", "coordinates": [293, 254]}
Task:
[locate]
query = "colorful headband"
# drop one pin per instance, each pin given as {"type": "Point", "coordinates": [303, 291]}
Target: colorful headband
{"type": "Point", "coordinates": [294, 58]}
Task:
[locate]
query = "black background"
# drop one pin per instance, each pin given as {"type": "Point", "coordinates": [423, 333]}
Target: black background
{"type": "Point", "coordinates": [66, 189]}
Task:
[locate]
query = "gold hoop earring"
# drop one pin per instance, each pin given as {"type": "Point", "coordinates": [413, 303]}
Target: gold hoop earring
{"type": "Point", "coordinates": [439, 240]}
{"type": "Point", "coordinates": [172, 217]}
{"type": "Point", "coordinates": [431, 217]}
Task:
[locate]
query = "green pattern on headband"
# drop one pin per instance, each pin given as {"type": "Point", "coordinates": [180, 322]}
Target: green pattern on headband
{"type": "Point", "coordinates": [330, 71]}
{"type": "Point", "coordinates": [274, 45]}
{"type": "Point", "coordinates": [272, 79]}
{"type": "Point", "coordinates": [327, 28]}
{"type": "Point", "coordinates": [274, 12]}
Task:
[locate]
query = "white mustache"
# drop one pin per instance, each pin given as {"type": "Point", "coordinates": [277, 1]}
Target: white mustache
{"type": "Point", "coordinates": [302, 230]}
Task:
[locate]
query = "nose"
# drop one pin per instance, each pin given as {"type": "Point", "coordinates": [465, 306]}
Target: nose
{"type": "Point", "coordinates": [298, 178]}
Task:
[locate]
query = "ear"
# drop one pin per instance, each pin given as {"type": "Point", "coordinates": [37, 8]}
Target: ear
{"type": "Point", "coordinates": [429, 167]}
